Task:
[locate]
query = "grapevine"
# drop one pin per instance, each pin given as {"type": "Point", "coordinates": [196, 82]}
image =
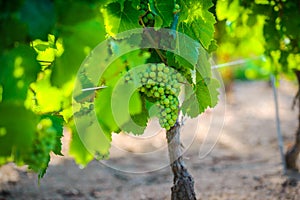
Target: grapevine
{"type": "Point", "coordinates": [41, 59]}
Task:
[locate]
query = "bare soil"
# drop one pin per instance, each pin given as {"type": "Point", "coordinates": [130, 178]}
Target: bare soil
{"type": "Point", "coordinates": [231, 151]}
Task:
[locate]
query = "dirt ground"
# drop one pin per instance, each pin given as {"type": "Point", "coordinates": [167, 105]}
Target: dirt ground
{"type": "Point", "coordinates": [231, 151]}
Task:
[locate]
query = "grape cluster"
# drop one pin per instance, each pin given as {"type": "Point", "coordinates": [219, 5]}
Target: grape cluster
{"type": "Point", "coordinates": [43, 144]}
{"type": "Point", "coordinates": [148, 17]}
{"type": "Point", "coordinates": [160, 84]}
{"type": "Point", "coordinates": [143, 5]}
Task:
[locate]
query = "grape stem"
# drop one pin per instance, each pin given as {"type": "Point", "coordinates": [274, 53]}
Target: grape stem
{"type": "Point", "coordinates": [161, 56]}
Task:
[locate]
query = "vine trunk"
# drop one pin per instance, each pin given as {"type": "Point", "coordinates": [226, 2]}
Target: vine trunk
{"type": "Point", "coordinates": [183, 182]}
{"type": "Point", "coordinates": [293, 152]}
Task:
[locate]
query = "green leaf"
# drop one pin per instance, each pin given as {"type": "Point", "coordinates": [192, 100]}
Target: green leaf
{"type": "Point", "coordinates": [77, 149]}
{"type": "Point", "coordinates": [85, 82]}
{"type": "Point", "coordinates": [213, 46]}
{"type": "Point", "coordinates": [12, 31]}
{"type": "Point", "coordinates": [57, 124]}
{"type": "Point", "coordinates": [203, 66]}
{"type": "Point", "coordinates": [44, 94]}
{"type": "Point", "coordinates": [126, 102]}
{"type": "Point", "coordinates": [196, 21]}
{"type": "Point", "coordinates": [141, 118]}
{"type": "Point", "coordinates": [39, 17]}
{"type": "Point", "coordinates": [16, 140]}
{"type": "Point", "coordinates": [41, 47]}
{"type": "Point", "coordinates": [207, 93]}
{"type": "Point", "coordinates": [78, 41]}
{"type": "Point", "coordinates": [118, 19]}
{"type": "Point", "coordinates": [188, 49]}
{"type": "Point", "coordinates": [92, 135]}
{"type": "Point", "coordinates": [190, 105]}
{"type": "Point", "coordinates": [42, 171]}
{"type": "Point", "coordinates": [104, 111]}
{"type": "Point", "coordinates": [164, 9]}
{"type": "Point", "coordinates": [70, 12]}
{"type": "Point", "coordinates": [204, 95]}
{"type": "Point", "coordinates": [18, 69]}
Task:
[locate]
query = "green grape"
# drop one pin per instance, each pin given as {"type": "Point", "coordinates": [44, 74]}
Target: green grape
{"type": "Point", "coordinates": [171, 121]}
{"type": "Point", "coordinates": [160, 90]}
{"type": "Point", "coordinates": [146, 75]}
{"type": "Point", "coordinates": [168, 110]}
{"type": "Point", "coordinates": [166, 70]}
{"type": "Point", "coordinates": [173, 107]}
{"type": "Point", "coordinates": [160, 67]}
{"type": "Point", "coordinates": [143, 5]}
{"type": "Point", "coordinates": [161, 84]}
{"type": "Point", "coordinates": [160, 74]}
{"type": "Point", "coordinates": [152, 74]}
{"type": "Point", "coordinates": [144, 80]}
{"type": "Point", "coordinates": [147, 16]}
{"type": "Point", "coordinates": [167, 127]}
{"type": "Point", "coordinates": [150, 16]}
{"type": "Point", "coordinates": [166, 101]}
{"type": "Point", "coordinates": [174, 117]}
{"type": "Point", "coordinates": [168, 87]}
{"type": "Point", "coordinates": [145, 20]}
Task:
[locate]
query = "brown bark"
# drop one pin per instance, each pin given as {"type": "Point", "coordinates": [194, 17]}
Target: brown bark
{"type": "Point", "coordinates": [292, 153]}
{"type": "Point", "coordinates": [183, 188]}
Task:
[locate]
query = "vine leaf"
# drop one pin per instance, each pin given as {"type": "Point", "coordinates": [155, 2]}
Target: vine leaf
{"type": "Point", "coordinates": [57, 124]}
{"type": "Point", "coordinates": [39, 17]}
{"type": "Point", "coordinates": [85, 35]}
{"type": "Point", "coordinates": [16, 140]}
{"type": "Point", "coordinates": [18, 69]}
{"type": "Point", "coordinates": [203, 66]}
{"type": "Point", "coordinates": [131, 116]}
{"type": "Point", "coordinates": [188, 49]}
{"type": "Point", "coordinates": [71, 13]}
{"type": "Point", "coordinates": [204, 95]}
{"type": "Point", "coordinates": [118, 18]}
{"type": "Point", "coordinates": [164, 9]}
{"type": "Point", "coordinates": [77, 149]}
{"type": "Point", "coordinates": [196, 21]}
{"type": "Point", "coordinates": [103, 110]}
{"type": "Point", "coordinates": [89, 137]}
{"type": "Point", "coordinates": [45, 93]}
{"type": "Point", "coordinates": [41, 47]}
